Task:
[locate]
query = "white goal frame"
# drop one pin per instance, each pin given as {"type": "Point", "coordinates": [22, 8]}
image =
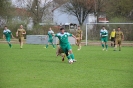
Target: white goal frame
{"type": "Point", "coordinates": [86, 41]}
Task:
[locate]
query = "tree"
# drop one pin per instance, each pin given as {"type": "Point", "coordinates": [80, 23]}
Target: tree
{"type": "Point", "coordinates": [4, 7]}
{"type": "Point", "coordinates": [36, 8]}
{"type": "Point", "coordinates": [79, 8]}
{"type": "Point", "coordinates": [100, 6]}
{"type": "Point", "coordinates": [119, 8]}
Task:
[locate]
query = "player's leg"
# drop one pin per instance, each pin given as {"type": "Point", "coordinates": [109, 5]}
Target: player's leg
{"type": "Point", "coordinates": [52, 43]}
{"type": "Point", "coordinates": [119, 45]}
{"type": "Point", "coordinates": [116, 43]}
{"type": "Point", "coordinates": [102, 43]}
{"type": "Point", "coordinates": [70, 52]}
{"type": "Point", "coordinates": [106, 45]}
{"type": "Point", "coordinates": [58, 48]}
{"type": "Point", "coordinates": [8, 41]}
{"type": "Point", "coordinates": [47, 44]}
{"type": "Point", "coordinates": [79, 43]}
{"type": "Point", "coordinates": [112, 44]}
{"type": "Point", "coordinates": [21, 42]}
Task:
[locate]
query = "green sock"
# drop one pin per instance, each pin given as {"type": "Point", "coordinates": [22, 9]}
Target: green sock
{"type": "Point", "coordinates": [72, 56]}
{"type": "Point", "coordinates": [103, 45]}
{"type": "Point", "coordinates": [9, 44]}
{"type": "Point", "coordinates": [119, 48]}
{"type": "Point", "coordinates": [46, 46]}
{"type": "Point", "coordinates": [53, 45]}
{"type": "Point", "coordinates": [68, 57]}
{"type": "Point", "coordinates": [106, 46]}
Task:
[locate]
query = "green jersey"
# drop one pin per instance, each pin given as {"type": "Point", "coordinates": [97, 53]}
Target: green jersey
{"type": "Point", "coordinates": [103, 33]}
{"type": "Point", "coordinates": [50, 34]}
{"type": "Point", "coordinates": [63, 38]}
{"type": "Point", "coordinates": [7, 33]}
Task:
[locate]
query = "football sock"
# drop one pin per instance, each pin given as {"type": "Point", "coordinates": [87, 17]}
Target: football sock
{"type": "Point", "coordinates": [10, 45]}
{"type": "Point", "coordinates": [46, 46]}
{"type": "Point", "coordinates": [106, 46]}
{"type": "Point", "coordinates": [119, 48]}
{"type": "Point", "coordinates": [53, 45]}
{"type": "Point", "coordinates": [72, 56]}
{"type": "Point", "coordinates": [103, 45]}
{"type": "Point", "coordinates": [68, 57]}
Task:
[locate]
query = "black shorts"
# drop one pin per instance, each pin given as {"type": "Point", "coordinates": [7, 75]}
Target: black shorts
{"type": "Point", "coordinates": [112, 38]}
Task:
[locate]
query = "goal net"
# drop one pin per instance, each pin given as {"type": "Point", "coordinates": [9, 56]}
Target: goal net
{"type": "Point", "coordinates": [93, 30]}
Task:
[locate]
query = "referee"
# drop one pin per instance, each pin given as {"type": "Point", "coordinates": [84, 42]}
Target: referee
{"type": "Point", "coordinates": [112, 38]}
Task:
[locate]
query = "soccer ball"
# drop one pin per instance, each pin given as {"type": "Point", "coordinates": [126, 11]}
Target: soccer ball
{"type": "Point", "coordinates": [70, 61]}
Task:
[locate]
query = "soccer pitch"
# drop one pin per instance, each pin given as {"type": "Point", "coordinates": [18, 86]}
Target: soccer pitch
{"type": "Point", "coordinates": [36, 67]}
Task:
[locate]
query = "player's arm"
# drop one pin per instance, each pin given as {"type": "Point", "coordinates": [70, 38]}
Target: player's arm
{"type": "Point", "coordinates": [122, 36]}
{"type": "Point", "coordinates": [12, 35]}
{"type": "Point", "coordinates": [24, 33]}
{"type": "Point", "coordinates": [81, 34]}
{"type": "Point", "coordinates": [74, 36]}
{"type": "Point", "coordinates": [17, 33]}
{"type": "Point", "coordinates": [110, 35]}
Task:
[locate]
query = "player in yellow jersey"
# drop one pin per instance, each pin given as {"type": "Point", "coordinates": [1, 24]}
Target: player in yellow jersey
{"type": "Point", "coordinates": [20, 34]}
{"type": "Point", "coordinates": [119, 36]}
{"type": "Point", "coordinates": [79, 37]}
{"type": "Point", "coordinates": [112, 38]}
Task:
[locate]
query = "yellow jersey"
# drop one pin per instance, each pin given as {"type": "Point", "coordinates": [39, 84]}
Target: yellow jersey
{"type": "Point", "coordinates": [112, 34]}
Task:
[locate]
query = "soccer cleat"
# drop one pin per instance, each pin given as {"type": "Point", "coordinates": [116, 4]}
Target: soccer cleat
{"type": "Point", "coordinates": [103, 49]}
{"type": "Point", "coordinates": [114, 50]}
{"type": "Point", "coordinates": [10, 45]}
{"type": "Point", "coordinates": [44, 47]}
{"type": "Point", "coordinates": [74, 60]}
{"type": "Point", "coordinates": [78, 49]}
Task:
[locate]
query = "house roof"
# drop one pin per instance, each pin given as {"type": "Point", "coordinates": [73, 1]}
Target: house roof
{"type": "Point", "coordinates": [103, 20]}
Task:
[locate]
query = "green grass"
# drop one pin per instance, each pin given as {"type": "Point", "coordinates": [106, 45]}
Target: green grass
{"type": "Point", "coordinates": [36, 67]}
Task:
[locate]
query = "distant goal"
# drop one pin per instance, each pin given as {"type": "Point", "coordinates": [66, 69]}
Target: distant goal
{"type": "Point", "coordinates": [93, 30]}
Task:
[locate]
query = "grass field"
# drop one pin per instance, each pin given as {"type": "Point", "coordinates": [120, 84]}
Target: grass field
{"type": "Point", "coordinates": [36, 67]}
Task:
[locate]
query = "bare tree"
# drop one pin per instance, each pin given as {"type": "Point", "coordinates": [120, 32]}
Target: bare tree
{"type": "Point", "coordinates": [36, 8]}
{"type": "Point", "coordinates": [79, 8]}
{"type": "Point", "coordinates": [100, 6]}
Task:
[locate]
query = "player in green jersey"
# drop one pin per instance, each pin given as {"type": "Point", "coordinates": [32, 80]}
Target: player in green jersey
{"type": "Point", "coordinates": [104, 38]}
{"type": "Point", "coordinates": [50, 38]}
{"type": "Point", "coordinates": [7, 34]}
{"type": "Point", "coordinates": [65, 45]}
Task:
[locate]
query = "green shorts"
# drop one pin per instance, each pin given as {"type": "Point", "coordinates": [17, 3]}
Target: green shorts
{"type": "Point", "coordinates": [66, 47]}
{"type": "Point", "coordinates": [50, 40]}
{"type": "Point", "coordinates": [104, 39]}
{"type": "Point", "coordinates": [8, 39]}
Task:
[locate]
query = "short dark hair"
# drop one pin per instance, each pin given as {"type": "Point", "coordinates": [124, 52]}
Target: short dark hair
{"type": "Point", "coordinates": [5, 26]}
{"type": "Point", "coordinates": [103, 26]}
{"type": "Point", "coordinates": [62, 29]}
{"type": "Point", "coordinates": [118, 27]}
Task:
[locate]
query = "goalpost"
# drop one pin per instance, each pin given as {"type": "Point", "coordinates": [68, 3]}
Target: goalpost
{"type": "Point", "coordinates": [96, 27]}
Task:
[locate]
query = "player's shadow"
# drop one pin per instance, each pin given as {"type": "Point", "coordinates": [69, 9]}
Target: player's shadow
{"type": "Point", "coordinates": [48, 61]}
